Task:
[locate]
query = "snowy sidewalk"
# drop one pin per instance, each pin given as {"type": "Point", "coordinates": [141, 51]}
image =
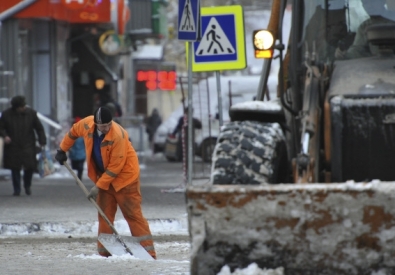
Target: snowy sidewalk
{"type": "Point", "coordinates": [58, 206]}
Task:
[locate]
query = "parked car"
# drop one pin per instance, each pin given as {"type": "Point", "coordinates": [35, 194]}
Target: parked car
{"type": "Point", "coordinates": [234, 89]}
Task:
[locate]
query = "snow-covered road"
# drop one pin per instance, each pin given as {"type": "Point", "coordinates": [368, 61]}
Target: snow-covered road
{"type": "Point", "coordinates": [69, 256]}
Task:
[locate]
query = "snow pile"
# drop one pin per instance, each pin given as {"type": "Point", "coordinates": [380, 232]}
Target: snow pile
{"type": "Point", "coordinates": [158, 227]}
{"type": "Point", "coordinates": [125, 257]}
{"type": "Point", "coordinates": [273, 105]}
{"type": "Point", "coordinates": [167, 246]}
{"type": "Point", "coordinates": [252, 269]}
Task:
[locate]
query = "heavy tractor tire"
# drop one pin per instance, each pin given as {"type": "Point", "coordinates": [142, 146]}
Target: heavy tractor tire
{"type": "Point", "coordinates": [250, 152]}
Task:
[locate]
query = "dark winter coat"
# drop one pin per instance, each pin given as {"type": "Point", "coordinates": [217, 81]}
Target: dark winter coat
{"type": "Point", "coordinates": [77, 151]}
{"type": "Point", "coordinates": [21, 128]}
{"type": "Point", "coordinates": [197, 124]}
{"type": "Point", "coordinates": [153, 123]}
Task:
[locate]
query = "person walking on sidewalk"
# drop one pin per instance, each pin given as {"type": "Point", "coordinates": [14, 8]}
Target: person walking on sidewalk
{"type": "Point", "coordinates": [19, 126]}
{"type": "Point", "coordinates": [77, 154]}
{"type": "Point", "coordinates": [113, 167]}
{"type": "Point", "coordinates": [152, 124]}
{"type": "Point", "coordinates": [182, 130]}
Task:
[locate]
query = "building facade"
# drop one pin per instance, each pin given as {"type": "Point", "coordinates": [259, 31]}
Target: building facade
{"type": "Point", "coordinates": [54, 51]}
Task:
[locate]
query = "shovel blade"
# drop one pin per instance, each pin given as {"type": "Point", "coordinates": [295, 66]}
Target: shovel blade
{"type": "Point", "coordinates": [112, 244]}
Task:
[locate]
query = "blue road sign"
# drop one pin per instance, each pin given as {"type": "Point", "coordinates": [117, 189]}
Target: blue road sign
{"type": "Point", "coordinates": [222, 45]}
{"type": "Point", "coordinates": [219, 39]}
{"type": "Point", "coordinates": [188, 20]}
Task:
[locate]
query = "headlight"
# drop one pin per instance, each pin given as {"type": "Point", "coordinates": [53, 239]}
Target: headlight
{"type": "Point", "coordinates": [263, 42]}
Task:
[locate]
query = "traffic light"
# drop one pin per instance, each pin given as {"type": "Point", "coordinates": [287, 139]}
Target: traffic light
{"type": "Point", "coordinates": [263, 42]}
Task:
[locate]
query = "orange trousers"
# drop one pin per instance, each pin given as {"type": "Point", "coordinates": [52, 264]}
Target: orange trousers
{"type": "Point", "coordinates": [129, 201]}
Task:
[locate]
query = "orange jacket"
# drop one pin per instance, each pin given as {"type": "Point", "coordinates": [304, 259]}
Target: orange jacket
{"type": "Point", "coordinates": [119, 158]}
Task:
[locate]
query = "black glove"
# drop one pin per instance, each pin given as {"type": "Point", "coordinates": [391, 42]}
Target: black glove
{"type": "Point", "coordinates": [61, 157]}
{"type": "Point", "coordinates": [93, 193]}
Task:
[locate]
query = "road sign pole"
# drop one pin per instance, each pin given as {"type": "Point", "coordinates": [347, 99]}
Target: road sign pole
{"type": "Point", "coordinates": [190, 115]}
{"type": "Point", "coordinates": [189, 30]}
{"type": "Point", "coordinates": [218, 76]}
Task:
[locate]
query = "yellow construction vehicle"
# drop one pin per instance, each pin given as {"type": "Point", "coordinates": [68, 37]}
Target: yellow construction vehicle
{"type": "Point", "coordinates": [305, 182]}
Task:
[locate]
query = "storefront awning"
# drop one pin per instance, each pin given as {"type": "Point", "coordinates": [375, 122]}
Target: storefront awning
{"type": "Point", "coordinates": [75, 11]}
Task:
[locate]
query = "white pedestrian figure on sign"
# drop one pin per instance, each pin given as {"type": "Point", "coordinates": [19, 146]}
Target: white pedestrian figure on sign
{"type": "Point", "coordinates": [215, 41]}
{"type": "Point", "coordinates": [214, 37]}
{"type": "Point", "coordinates": [187, 19]}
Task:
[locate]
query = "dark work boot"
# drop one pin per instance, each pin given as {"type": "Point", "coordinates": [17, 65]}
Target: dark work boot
{"type": "Point", "coordinates": [27, 180]}
{"type": "Point", "coordinates": [16, 181]}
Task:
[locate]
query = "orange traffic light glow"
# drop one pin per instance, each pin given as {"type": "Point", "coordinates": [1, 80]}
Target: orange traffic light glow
{"type": "Point", "coordinates": [263, 53]}
{"type": "Point", "coordinates": [162, 80]}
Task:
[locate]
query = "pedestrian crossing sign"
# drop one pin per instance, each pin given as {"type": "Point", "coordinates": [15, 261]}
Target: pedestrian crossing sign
{"type": "Point", "coordinates": [188, 20]}
{"type": "Point", "coordinates": [222, 45]}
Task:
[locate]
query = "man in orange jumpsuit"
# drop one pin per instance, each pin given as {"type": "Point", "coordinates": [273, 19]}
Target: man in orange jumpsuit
{"type": "Point", "coordinates": [113, 167]}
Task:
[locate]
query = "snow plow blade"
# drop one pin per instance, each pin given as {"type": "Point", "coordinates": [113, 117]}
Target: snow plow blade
{"type": "Point", "coordinates": [306, 229]}
{"type": "Point", "coordinates": [112, 244]}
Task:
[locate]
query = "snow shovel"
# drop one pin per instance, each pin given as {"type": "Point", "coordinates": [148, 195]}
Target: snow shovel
{"type": "Point", "coordinates": [114, 243]}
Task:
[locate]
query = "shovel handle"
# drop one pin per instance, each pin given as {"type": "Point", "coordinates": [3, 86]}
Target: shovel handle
{"type": "Point", "coordinates": [80, 184]}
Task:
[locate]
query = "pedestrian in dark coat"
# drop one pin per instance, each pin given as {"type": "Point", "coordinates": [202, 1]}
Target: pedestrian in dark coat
{"type": "Point", "coordinates": [153, 122]}
{"type": "Point", "coordinates": [19, 126]}
{"type": "Point", "coordinates": [182, 130]}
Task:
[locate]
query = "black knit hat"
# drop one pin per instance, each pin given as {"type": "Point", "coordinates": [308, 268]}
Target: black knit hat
{"type": "Point", "coordinates": [102, 116]}
{"type": "Point", "coordinates": [18, 101]}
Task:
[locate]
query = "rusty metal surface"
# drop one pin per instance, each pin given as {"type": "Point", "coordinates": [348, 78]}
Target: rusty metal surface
{"type": "Point", "coordinates": [307, 229]}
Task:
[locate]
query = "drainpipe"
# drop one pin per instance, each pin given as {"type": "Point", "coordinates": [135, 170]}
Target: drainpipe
{"type": "Point", "coordinates": [10, 12]}
{"type": "Point", "coordinates": [15, 9]}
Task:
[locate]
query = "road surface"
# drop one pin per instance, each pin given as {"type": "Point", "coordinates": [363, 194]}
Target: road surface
{"type": "Point", "coordinates": [53, 231]}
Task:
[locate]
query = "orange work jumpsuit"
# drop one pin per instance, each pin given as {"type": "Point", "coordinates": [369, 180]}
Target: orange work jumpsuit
{"type": "Point", "coordinates": [120, 182]}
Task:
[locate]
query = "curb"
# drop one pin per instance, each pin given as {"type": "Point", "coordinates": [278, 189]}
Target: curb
{"type": "Point", "coordinates": [87, 228]}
